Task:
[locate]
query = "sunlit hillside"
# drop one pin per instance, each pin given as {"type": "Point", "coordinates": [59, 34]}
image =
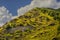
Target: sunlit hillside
{"type": "Point", "coordinates": [36, 24]}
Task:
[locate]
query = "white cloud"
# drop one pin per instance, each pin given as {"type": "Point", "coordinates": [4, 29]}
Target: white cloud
{"type": "Point", "coordinates": [4, 15]}
{"type": "Point", "coordinates": [38, 3]}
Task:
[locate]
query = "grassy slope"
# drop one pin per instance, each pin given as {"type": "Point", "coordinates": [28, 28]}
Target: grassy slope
{"type": "Point", "coordinates": [37, 24]}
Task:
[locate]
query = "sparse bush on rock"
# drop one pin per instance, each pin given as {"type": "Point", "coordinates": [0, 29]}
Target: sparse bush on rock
{"type": "Point", "coordinates": [37, 24]}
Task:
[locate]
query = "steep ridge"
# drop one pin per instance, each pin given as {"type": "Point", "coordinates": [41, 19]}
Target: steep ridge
{"type": "Point", "coordinates": [37, 24]}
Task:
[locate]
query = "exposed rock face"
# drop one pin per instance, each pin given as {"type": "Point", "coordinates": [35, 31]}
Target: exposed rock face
{"type": "Point", "coordinates": [37, 24]}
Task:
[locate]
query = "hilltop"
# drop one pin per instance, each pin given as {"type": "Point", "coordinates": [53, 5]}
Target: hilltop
{"type": "Point", "coordinates": [36, 24]}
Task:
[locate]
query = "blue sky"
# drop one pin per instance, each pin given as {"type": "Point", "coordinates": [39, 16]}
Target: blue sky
{"type": "Point", "coordinates": [13, 5]}
{"type": "Point", "coordinates": [58, 0]}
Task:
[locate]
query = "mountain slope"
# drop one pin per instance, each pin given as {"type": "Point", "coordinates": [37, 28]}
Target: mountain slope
{"type": "Point", "coordinates": [37, 24]}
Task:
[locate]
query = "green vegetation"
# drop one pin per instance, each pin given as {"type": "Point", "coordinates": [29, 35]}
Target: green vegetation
{"type": "Point", "coordinates": [37, 24]}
